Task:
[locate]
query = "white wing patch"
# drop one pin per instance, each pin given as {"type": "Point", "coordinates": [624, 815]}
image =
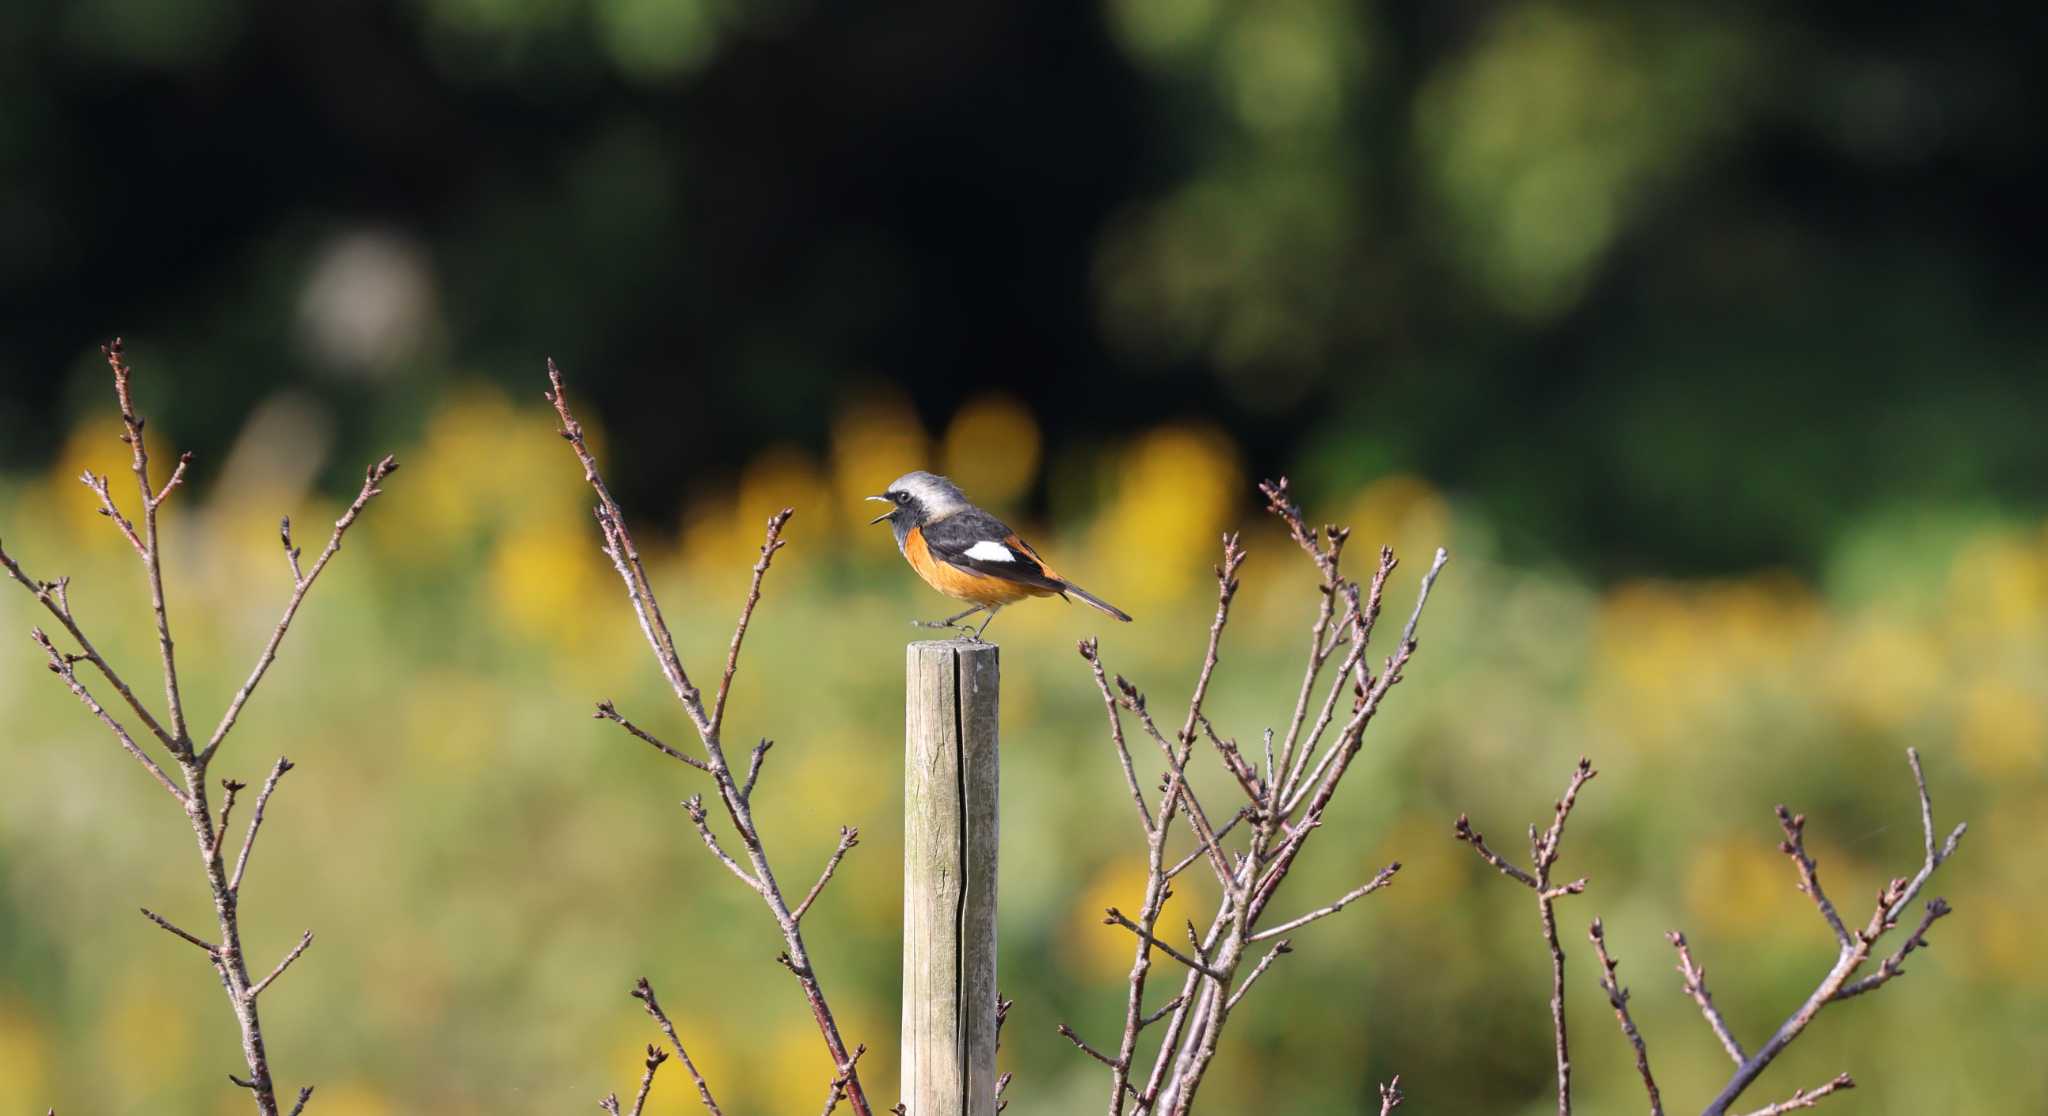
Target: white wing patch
{"type": "Point", "coordinates": [988, 550]}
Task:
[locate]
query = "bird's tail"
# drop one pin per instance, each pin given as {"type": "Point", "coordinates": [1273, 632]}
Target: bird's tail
{"type": "Point", "coordinates": [1098, 602]}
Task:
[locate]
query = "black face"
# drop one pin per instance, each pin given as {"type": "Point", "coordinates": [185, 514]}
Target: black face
{"type": "Point", "coordinates": [906, 513]}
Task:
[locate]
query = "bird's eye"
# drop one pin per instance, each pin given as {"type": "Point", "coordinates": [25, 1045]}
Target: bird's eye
{"type": "Point", "coordinates": [901, 497]}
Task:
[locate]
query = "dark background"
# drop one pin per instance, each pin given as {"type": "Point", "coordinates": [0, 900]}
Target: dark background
{"type": "Point", "coordinates": [1819, 295]}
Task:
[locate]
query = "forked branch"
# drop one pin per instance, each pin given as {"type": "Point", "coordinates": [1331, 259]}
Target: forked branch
{"type": "Point", "coordinates": [171, 733]}
{"type": "Point", "coordinates": [1284, 800]}
{"type": "Point", "coordinates": [734, 792]}
{"type": "Point", "coordinates": [1855, 948]}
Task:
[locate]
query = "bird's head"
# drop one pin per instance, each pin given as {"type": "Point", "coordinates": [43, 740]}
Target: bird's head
{"type": "Point", "coordinates": [918, 498]}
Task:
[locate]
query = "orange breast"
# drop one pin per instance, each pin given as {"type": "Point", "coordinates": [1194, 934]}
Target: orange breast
{"type": "Point", "coordinates": [959, 584]}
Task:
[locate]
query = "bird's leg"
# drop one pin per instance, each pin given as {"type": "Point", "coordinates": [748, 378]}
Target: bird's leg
{"type": "Point", "coordinates": [976, 637]}
{"type": "Point", "coordinates": [951, 621]}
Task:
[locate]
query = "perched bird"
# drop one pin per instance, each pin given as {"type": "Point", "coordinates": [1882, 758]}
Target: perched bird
{"type": "Point", "coordinates": [968, 554]}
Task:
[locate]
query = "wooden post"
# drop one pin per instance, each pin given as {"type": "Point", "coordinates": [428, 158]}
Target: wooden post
{"type": "Point", "coordinates": [949, 879]}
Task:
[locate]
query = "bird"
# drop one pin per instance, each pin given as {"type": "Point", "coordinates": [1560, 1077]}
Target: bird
{"type": "Point", "coordinates": [968, 554]}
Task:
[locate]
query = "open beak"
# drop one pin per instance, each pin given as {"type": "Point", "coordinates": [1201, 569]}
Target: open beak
{"type": "Point", "coordinates": [886, 514]}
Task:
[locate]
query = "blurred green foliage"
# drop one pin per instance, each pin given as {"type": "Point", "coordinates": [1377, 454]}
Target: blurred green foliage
{"type": "Point", "coordinates": [487, 867]}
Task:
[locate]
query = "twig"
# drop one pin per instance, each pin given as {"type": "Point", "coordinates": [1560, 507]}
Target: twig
{"type": "Point", "coordinates": [1794, 846]}
{"type": "Point", "coordinates": [1279, 950]}
{"type": "Point", "coordinates": [838, 1090]}
{"type": "Point", "coordinates": [1617, 998]}
{"type": "Point", "coordinates": [1544, 848]}
{"type": "Point", "coordinates": [1463, 831]}
{"type": "Point", "coordinates": [373, 480]}
{"type": "Point", "coordinates": [769, 545]}
{"type": "Point", "coordinates": [1089, 1050]}
{"type": "Point", "coordinates": [1893, 965]}
{"type": "Point", "coordinates": [1164, 1008]}
{"type": "Point", "coordinates": [256, 822]}
{"type": "Point", "coordinates": [606, 711]}
{"type": "Point", "coordinates": [694, 806]}
{"type": "Point", "coordinates": [644, 992]}
{"type": "Point", "coordinates": [305, 943]}
{"type": "Point", "coordinates": [1089, 652]}
{"type": "Point", "coordinates": [1391, 1095]}
{"type": "Point", "coordinates": [1114, 917]}
{"type": "Point", "coordinates": [62, 666]}
{"type": "Point", "coordinates": [54, 596]}
{"type": "Point", "coordinates": [1183, 864]}
{"type": "Point", "coordinates": [1696, 987]}
{"type": "Point", "coordinates": [291, 553]}
{"type": "Point", "coordinates": [1802, 1098]}
{"type": "Point", "coordinates": [212, 951]}
{"type": "Point", "coordinates": [655, 1057]}
{"type": "Point", "coordinates": [849, 836]}
{"type": "Point", "coordinates": [754, 767]}
{"type": "Point", "coordinates": [1385, 877]}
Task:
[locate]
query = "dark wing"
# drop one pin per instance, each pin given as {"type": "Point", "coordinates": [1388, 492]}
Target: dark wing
{"type": "Point", "coordinates": [978, 542]}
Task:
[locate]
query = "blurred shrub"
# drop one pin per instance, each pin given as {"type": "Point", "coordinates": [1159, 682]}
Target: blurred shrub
{"type": "Point", "coordinates": [487, 867]}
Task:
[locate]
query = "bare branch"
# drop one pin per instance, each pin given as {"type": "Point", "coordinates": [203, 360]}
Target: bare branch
{"type": "Point", "coordinates": [305, 943]}
{"type": "Point", "coordinates": [644, 992]}
{"type": "Point", "coordinates": [1802, 1098]}
{"type": "Point", "coordinates": [1279, 950]}
{"type": "Point", "coordinates": [1168, 1006]}
{"type": "Point", "coordinates": [54, 596]}
{"type": "Point", "coordinates": [151, 550]}
{"type": "Point", "coordinates": [849, 836]}
{"type": "Point", "coordinates": [769, 545]}
{"type": "Point", "coordinates": [1617, 998]}
{"type": "Point", "coordinates": [256, 822]}
{"type": "Point", "coordinates": [845, 1074]}
{"type": "Point", "coordinates": [212, 951]}
{"type": "Point", "coordinates": [1544, 848]}
{"type": "Point", "coordinates": [625, 556]}
{"type": "Point", "coordinates": [1463, 830]}
{"type": "Point", "coordinates": [694, 805]}
{"type": "Point", "coordinates": [1087, 648]}
{"type": "Point", "coordinates": [606, 711]}
{"type": "Point", "coordinates": [1288, 803]}
{"type": "Point", "coordinates": [1089, 1050]}
{"type": "Point", "coordinates": [1176, 760]}
{"type": "Point", "coordinates": [110, 510]}
{"type": "Point", "coordinates": [1794, 846]}
{"type": "Point", "coordinates": [655, 1057]}
{"type": "Point", "coordinates": [177, 478]}
{"type": "Point", "coordinates": [1855, 951]}
{"type": "Point", "coordinates": [229, 789]}
{"type": "Point", "coordinates": [1114, 917]}
{"type": "Point", "coordinates": [754, 767]}
{"type": "Point", "coordinates": [1894, 965]}
{"type": "Point", "coordinates": [373, 479]}
{"type": "Point", "coordinates": [1183, 864]}
{"type": "Point", "coordinates": [62, 666]}
{"type": "Point", "coordinates": [210, 835]}
{"type": "Point", "coordinates": [291, 553]}
{"type": "Point", "coordinates": [1696, 987]}
{"type": "Point", "coordinates": [1385, 877]}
